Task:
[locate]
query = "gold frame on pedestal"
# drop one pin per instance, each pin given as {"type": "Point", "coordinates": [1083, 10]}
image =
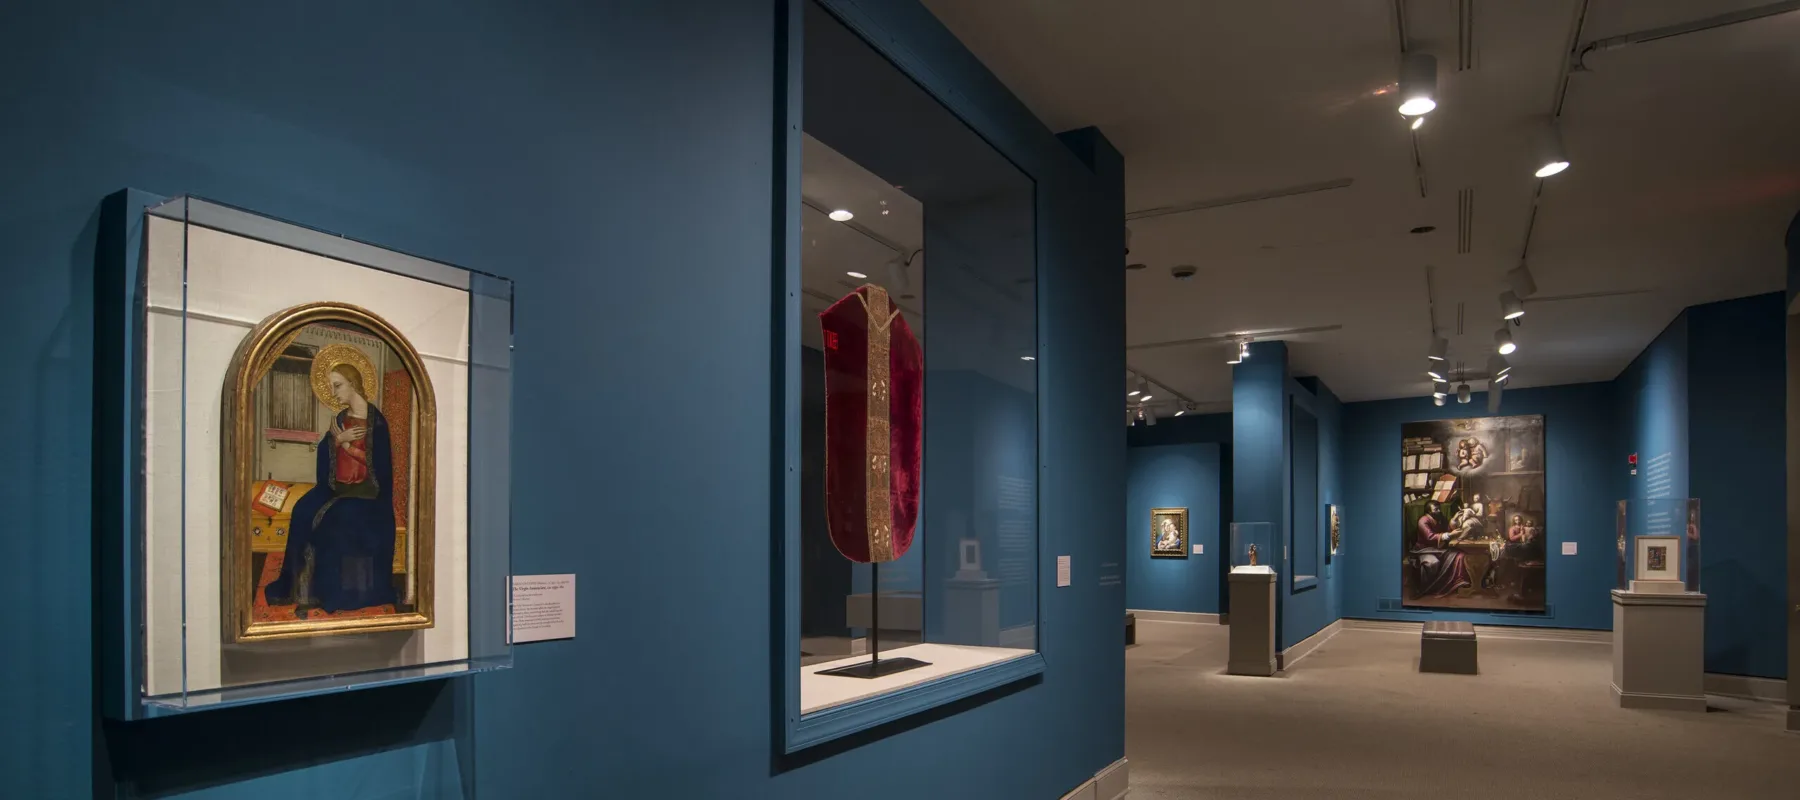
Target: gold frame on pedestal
{"type": "Point", "coordinates": [254, 357]}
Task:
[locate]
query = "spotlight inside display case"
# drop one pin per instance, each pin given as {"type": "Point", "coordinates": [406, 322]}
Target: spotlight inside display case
{"type": "Point", "coordinates": [309, 438]}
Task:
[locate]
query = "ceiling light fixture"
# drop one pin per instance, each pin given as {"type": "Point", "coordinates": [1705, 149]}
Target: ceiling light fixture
{"type": "Point", "coordinates": [1519, 278]}
{"type": "Point", "coordinates": [1145, 399]}
{"type": "Point", "coordinates": [1027, 358]}
{"type": "Point", "coordinates": [1132, 393]}
{"type": "Point", "coordinates": [1547, 149]}
{"type": "Point", "coordinates": [1418, 84]}
{"type": "Point", "coordinates": [1437, 400]}
{"type": "Point", "coordinates": [1433, 373]}
{"type": "Point", "coordinates": [1462, 393]}
{"type": "Point", "coordinates": [1179, 413]}
{"type": "Point", "coordinates": [1440, 389]}
{"type": "Point", "coordinates": [1498, 366]}
{"type": "Point", "coordinates": [1418, 122]}
{"type": "Point", "coordinates": [1511, 307]}
{"type": "Point", "coordinates": [1440, 349]}
{"type": "Point", "coordinates": [841, 215]}
{"type": "Point", "coordinates": [857, 275]}
{"type": "Point", "coordinates": [1503, 342]}
{"type": "Point", "coordinates": [1149, 416]}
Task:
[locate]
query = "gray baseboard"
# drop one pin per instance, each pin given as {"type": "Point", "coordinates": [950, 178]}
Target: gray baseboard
{"type": "Point", "coordinates": [1491, 631]}
{"type": "Point", "coordinates": [1193, 617]}
{"type": "Point", "coordinates": [1768, 690]}
{"type": "Point", "coordinates": [1112, 783]}
{"type": "Point", "coordinates": [1660, 702]}
{"type": "Point", "coordinates": [1793, 725]}
{"type": "Point", "coordinates": [1303, 648]}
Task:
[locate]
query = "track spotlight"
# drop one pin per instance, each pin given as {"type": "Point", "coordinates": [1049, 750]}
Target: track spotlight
{"type": "Point", "coordinates": [1511, 307]}
{"type": "Point", "coordinates": [1503, 342]}
{"type": "Point", "coordinates": [1418, 84]}
{"type": "Point", "coordinates": [1243, 353]}
{"type": "Point", "coordinates": [1130, 417]}
{"type": "Point", "coordinates": [1437, 400]}
{"type": "Point", "coordinates": [1149, 416]}
{"type": "Point", "coordinates": [897, 277]}
{"type": "Point", "coordinates": [1434, 372]}
{"type": "Point", "coordinates": [1462, 393]}
{"type": "Point", "coordinates": [1145, 398]}
{"type": "Point", "coordinates": [1493, 398]}
{"type": "Point", "coordinates": [1418, 122]}
{"type": "Point", "coordinates": [1498, 366]}
{"type": "Point", "coordinates": [1549, 157]}
{"type": "Point", "coordinates": [1440, 389]}
{"type": "Point", "coordinates": [841, 215]}
{"type": "Point", "coordinates": [1440, 349]}
{"type": "Point", "coordinates": [1519, 278]}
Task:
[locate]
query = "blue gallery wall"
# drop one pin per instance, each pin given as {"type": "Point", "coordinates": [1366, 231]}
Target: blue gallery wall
{"type": "Point", "coordinates": [1173, 476]}
{"type": "Point", "coordinates": [1305, 610]}
{"type": "Point", "coordinates": [1738, 466]}
{"type": "Point", "coordinates": [1652, 402]}
{"type": "Point", "coordinates": [546, 142]}
{"type": "Point", "coordinates": [1263, 397]}
{"type": "Point", "coordinates": [1212, 429]}
{"type": "Point", "coordinates": [1582, 484]}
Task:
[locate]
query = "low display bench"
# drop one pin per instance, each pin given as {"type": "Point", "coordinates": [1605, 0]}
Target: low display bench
{"type": "Point", "coordinates": [1448, 647]}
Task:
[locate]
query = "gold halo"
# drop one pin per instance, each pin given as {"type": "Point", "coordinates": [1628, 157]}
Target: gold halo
{"type": "Point", "coordinates": [330, 357]}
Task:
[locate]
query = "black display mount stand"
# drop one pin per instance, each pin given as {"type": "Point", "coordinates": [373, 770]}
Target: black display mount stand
{"type": "Point", "coordinates": [875, 667]}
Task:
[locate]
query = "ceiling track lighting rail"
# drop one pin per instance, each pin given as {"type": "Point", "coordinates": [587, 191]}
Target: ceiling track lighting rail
{"type": "Point", "coordinates": [1161, 389]}
{"type": "Point", "coordinates": [1239, 199]}
{"type": "Point", "coordinates": [1233, 337]}
{"type": "Point", "coordinates": [1578, 61]}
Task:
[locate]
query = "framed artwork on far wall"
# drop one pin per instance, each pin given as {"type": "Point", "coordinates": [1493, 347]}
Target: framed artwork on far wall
{"type": "Point", "coordinates": [1169, 533]}
{"type": "Point", "coordinates": [1337, 538]}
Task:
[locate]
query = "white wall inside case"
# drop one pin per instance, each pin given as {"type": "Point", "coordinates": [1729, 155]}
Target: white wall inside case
{"type": "Point", "coordinates": [232, 283]}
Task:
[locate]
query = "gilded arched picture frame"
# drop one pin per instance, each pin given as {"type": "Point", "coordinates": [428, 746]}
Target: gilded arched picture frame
{"type": "Point", "coordinates": [328, 478]}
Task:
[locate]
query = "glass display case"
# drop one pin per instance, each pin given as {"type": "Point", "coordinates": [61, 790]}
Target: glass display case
{"type": "Point", "coordinates": [311, 439]}
{"type": "Point", "coordinates": [1253, 547]}
{"type": "Point", "coordinates": [914, 401]}
{"type": "Point", "coordinates": [1657, 545]}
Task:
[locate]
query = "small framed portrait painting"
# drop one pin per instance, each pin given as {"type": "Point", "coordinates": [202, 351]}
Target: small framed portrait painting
{"type": "Point", "coordinates": [1169, 532]}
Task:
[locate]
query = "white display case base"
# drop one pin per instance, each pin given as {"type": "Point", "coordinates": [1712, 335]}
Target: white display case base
{"type": "Point", "coordinates": [1659, 650]}
{"type": "Point", "coordinates": [942, 660]}
{"type": "Point", "coordinates": [1252, 621]}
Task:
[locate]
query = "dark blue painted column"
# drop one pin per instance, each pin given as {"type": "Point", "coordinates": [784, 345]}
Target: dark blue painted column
{"type": "Point", "coordinates": [1259, 447]}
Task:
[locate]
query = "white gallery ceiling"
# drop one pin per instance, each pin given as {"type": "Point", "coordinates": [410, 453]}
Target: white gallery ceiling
{"type": "Point", "coordinates": [1685, 172]}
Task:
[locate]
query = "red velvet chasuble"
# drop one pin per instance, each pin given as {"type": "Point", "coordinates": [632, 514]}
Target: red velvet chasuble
{"type": "Point", "coordinates": [874, 421]}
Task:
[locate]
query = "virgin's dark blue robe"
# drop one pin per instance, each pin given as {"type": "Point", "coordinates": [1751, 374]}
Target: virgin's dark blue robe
{"type": "Point", "coordinates": [349, 529]}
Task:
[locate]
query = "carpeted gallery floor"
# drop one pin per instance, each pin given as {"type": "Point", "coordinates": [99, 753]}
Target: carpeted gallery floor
{"type": "Point", "coordinates": [1355, 720]}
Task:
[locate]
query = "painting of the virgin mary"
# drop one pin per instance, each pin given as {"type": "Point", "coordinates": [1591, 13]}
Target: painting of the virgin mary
{"type": "Point", "coordinates": [330, 459]}
{"type": "Point", "coordinates": [341, 542]}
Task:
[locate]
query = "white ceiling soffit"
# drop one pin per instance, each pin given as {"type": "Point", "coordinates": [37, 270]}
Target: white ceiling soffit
{"type": "Point", "coordinates": [1684, 172]}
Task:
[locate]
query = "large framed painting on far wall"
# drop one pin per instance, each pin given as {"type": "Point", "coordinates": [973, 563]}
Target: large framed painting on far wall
{"type": "Point", "coordinates": [1472, 523]}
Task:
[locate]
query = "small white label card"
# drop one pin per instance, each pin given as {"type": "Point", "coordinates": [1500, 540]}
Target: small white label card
{"type": "Point", "coordinates": [1062, 571]}
{"type": "Point", "coordinates": [543, 607]}
{"type": "Point", "coordinates": [1568, 548]}
{"type": "Point", "coordinates": [1199, 549]}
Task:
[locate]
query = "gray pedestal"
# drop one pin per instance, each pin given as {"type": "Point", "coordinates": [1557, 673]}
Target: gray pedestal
{"type": "Point", "coordinates": [1252, 621]}
{"type": "Point", "coordinates": [1659, 650]}
{"type": "Point", "coordinates": [972, 611]}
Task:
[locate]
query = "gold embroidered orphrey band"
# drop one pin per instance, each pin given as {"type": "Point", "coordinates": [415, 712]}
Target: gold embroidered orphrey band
{"type": "Point", "coordinates": [878, 503]}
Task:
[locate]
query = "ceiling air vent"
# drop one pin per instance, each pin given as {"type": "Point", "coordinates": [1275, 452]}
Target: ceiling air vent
{"type": "Point", "coordinates": [1465, 220]}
